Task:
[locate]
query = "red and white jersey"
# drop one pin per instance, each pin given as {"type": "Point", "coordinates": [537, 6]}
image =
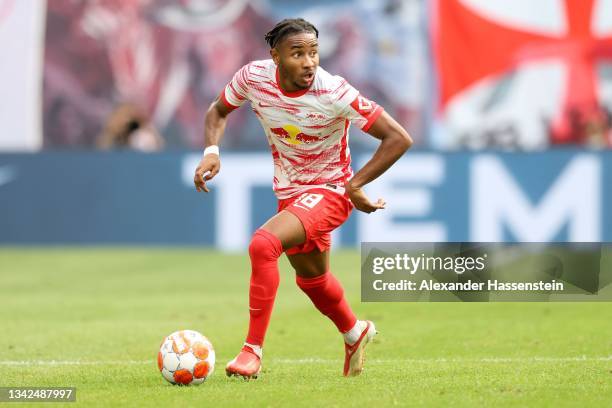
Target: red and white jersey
{"type": "Point", "coordinates": [307, 130]}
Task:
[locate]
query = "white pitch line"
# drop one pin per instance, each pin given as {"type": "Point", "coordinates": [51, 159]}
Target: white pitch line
{"type": "Point", "coordinates": [452, 360]}
{"type": "Point", "coordinates": [328, 361]}
{"type": "Point", "coordinates": [74, 362]}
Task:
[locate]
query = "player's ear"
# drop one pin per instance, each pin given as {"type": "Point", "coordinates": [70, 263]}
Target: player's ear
{"type": "Point", "coordinates": [274, 55]}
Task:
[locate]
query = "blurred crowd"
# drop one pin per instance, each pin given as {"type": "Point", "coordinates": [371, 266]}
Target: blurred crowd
{"type": "Point", "coordinates": [168, 60]}
{"type": "Point", "coordinates": [141, 73]}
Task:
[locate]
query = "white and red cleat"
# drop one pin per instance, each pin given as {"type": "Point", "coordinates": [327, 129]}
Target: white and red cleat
{"type": "Point", "coordinates": [354, 355]}
{"type": "Point", "coordinates": [247, 364]}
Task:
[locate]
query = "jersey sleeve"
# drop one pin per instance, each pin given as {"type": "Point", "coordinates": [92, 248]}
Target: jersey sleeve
{"type": "Point", "coordinates": [351, 105]}
{"type": "Point", "coordinates": [236, 92]}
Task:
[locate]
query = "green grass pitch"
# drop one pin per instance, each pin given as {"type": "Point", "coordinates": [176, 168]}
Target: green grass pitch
{"type": "Point", "coordinates": [94, 319]}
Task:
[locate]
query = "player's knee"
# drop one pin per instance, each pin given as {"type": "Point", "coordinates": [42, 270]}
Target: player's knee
{"type": "Point", "coordinates": [265, 245]}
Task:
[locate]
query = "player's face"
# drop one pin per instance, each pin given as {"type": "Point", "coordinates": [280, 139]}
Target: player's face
{"type": "Point", "coordinates": [297, 57]}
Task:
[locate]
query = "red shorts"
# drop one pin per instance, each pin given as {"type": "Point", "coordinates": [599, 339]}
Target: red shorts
{"type": "Point", "coordinates": [321, 211]}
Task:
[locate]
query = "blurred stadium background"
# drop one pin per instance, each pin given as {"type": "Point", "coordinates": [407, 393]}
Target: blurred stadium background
{"type": "Point", "coordinates": [510, 104]}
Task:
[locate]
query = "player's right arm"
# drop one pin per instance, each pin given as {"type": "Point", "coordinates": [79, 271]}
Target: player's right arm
{"type": "Point", "coordinates": [234, 95]}
{"type": "Point", "coordinates": [214, 127]}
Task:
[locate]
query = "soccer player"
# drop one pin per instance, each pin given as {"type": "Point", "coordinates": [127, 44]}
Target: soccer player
{"type": "Point", "coordinates": [305, 113]}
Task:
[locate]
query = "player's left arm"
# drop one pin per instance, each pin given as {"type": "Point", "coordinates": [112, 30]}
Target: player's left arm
{"type": "Point", "coordinates": [395, 140]}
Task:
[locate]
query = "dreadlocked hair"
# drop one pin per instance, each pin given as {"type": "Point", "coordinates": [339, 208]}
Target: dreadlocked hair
{"type": "Point", "coordinates": [289, 26]}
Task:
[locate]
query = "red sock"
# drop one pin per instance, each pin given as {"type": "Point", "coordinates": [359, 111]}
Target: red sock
{"type": "Point", "coordinates": [327, 295]}
{"type": "Point", "coordinates": [264, 250]}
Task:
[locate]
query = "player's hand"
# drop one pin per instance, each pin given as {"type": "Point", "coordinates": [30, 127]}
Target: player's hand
{"type": "Point", "coordinates": [207, 169]}
{"type": "Point", "coordinates": [361, 201]}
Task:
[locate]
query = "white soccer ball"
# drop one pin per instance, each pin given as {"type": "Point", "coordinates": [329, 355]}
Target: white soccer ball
{"type": "Point", "coordinates": [186, 357]}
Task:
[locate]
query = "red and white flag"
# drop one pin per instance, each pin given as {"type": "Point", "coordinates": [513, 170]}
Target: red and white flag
{"type": "Point", "coordinates": [523, 74]}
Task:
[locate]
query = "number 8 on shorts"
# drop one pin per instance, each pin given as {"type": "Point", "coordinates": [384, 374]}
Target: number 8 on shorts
{"type": "Point", "coordinates": [308, 200]}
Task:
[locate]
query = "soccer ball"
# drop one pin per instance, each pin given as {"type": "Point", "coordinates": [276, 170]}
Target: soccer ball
{"type": "Point", "coordinates": [186, 357]}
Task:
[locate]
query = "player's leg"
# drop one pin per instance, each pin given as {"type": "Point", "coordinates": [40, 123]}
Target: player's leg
{"type": "Point", "coordinates": [322, 287]}
{"type": "Point", "coordinates": [282, 231]}
{"type": "Point", "coordinates": [326, 293]}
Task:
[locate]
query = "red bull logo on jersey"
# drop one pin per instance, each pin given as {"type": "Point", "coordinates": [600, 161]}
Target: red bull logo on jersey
{"type": "Point", "coordinates": [294, 135]}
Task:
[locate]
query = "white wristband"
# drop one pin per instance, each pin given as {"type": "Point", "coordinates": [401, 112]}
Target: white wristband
{"type": "Point", "coordinates": [214, 149]}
